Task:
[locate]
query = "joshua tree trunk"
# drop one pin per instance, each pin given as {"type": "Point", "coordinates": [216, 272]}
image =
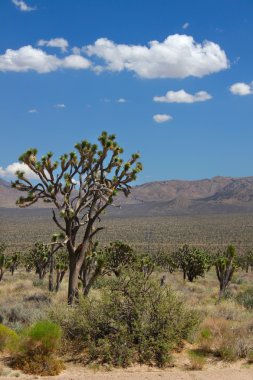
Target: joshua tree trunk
{"type": "Point", "coordinates": [88, 279]}
{"type": "Point", "coordinates": [76, 260]}
{"type": "Point", "coordinates": [51, 273]}
{"type": "Point", "coordinates": [73, 281]}
{"type": "Point", "coordinates": [59, 277]}
{"type": "Point", "coordinates": [222, 291]}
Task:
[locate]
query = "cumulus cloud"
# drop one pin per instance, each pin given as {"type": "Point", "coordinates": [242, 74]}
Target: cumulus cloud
{"type": "Point", "coordinates": [121, 100]}
{"type": "Point", "coordinates": [185, 25]}
{"type": "Point", "coordinates": [178, 56]}
{"type": "Point", "coordinates": [29, 58]}
{"type": "Point", "coordinates": [161, 118]}
{"type": "Point", "coordinates": [182, 96]}
{"type": "Point", "coordinates": [60, 105]}
{"type": "Point", "coordinates": [33, 110]}
{"type": "Point", "coordinates": [241, 88]}
{"type": "Point", "coordinates": [22, 6]}
{"type": "Point", "coordinates": [10, 170]}
{"type": "Point", "coordinates": [75, 62]}
{"type": "Point", "coordinates": [60, 43]}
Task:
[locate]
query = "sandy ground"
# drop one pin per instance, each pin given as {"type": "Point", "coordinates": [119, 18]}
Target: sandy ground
{"type": "Point", "coordinates": [75, 372]}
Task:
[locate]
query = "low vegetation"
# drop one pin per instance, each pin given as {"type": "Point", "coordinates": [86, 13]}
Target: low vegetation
{"type": "Point", "coordinates": [125, 304]}
{"type": "Point", "coordinates": [129, 316]}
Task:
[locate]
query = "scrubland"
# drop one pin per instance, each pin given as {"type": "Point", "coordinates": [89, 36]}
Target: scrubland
{"type": "Point", "coordinates": [222, 338]}
{"type": "Point", "coordinates": [131, 326]}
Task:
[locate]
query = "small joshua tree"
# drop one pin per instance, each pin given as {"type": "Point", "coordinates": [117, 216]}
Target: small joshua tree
{"type": "Point", "coordinates": [118, 255]}
{"type": "Point", "coordinates": [192, 261]}
{"type": "Point", "coordinates": [245, 261]}
{"type": "Point", "coordinates": [61, 267]}
{"type": "Point", "coordinates": [80, 186]}
{"type": "Point", "coordinates": [2, 259]}
{"type": "Point", "coordinates": [38, 258]}
{"type": "Point", "coordinates": [225, 265]}
{"type": "Point", "coordinates": [13, 262]}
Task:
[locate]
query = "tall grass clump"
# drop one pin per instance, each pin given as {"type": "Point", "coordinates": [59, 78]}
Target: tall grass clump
{"type": "Point", "coordinates": [197, 359]}
{"type": "Point", "coordinates": [8, 338]}
{"type": "Point", "coordinates": [37, 348]}
{"type": "Point", "coordinates": [246, 298]}
{"type": "Point", "coordinates": [226, 339]}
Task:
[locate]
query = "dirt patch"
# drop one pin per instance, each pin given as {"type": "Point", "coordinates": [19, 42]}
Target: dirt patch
{"type": "Point", "coordinates": [76, 372]}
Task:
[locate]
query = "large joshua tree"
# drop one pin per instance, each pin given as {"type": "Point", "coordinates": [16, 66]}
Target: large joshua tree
{"type": "Point", "coordinates": [80, 186]}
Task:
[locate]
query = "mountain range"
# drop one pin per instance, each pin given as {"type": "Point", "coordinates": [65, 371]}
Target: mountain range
{"type": "Point", "coordinates": [218, 194]}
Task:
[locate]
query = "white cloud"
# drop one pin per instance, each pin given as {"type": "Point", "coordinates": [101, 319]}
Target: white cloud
{"type": "Point", "coordinates": [75, 62]}
{"type": "Point", "coordinates": [33, 110]}
{"type": "Point", "coordinates": [23, 6]}
{"type": "Point", "coordinates": [60, 43]}
{"type": "Point", "coordinates": [29, 58]}
{"type": "Point", "coordinates": [185, 25]}
{"type": "Point", "coordinates": [161, 118]}
{"type": "Point", "coordinates": [241, 88]}
{"type": "Point", "coordinates": [121, 100]}
{"type": "Point", "coordinates": [182, 96]}
{"type": "Point", "coordinates": [178, 56]}
{"type": "Point", "coordinates": [60, 105]}
{"type": "Point", "coordinates": [10, 170]}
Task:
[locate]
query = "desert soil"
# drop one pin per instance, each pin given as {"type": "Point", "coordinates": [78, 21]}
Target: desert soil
{"type": "Point", "coordinates": [76, 372]}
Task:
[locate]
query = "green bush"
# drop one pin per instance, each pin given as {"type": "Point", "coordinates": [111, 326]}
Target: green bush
{"type": "Point", "coordinates": [43, 337]}
{"type": "Point", "coordinates": [37, 347]}
{"type": "Point", "coordinates": [250, 356]}
{"type": "Point", "coordinates": [8, 338]}
{"type": "Point", "coordinates": [134, 320]}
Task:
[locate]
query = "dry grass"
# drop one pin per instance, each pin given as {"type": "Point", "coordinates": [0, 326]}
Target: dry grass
{"type": "Point", "coordinates": [197, 360]}
{"type": "Point", "coordinates": [226, 332]}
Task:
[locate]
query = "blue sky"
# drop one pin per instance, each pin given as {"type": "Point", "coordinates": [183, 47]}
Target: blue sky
{"type": "Point", "coordinates": [70, 69]}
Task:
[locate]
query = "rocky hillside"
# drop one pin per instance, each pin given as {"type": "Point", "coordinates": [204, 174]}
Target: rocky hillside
{"type": "Point", "coordinates": [218, 194]}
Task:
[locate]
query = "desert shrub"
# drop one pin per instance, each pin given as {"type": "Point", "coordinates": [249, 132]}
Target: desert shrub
{"type": "Point", "coordinates": [101, 282]}
{"type": "Point", "coordinates": [8, 337]}
{"type": "Point", "coordinates": [43, 336]}
{"type": "Point", "coordinates": [250, 356]}
{"type": "Point", "coordinates": [134, 320]}
{"type": "Point", "coordinates": [246, 298]}
{"type": "Point", "coordinates": [225, 338]}
{"type": "Point", "coordinates": [36, 351]}
{"type": "Point", "coordinates": [197, 359]}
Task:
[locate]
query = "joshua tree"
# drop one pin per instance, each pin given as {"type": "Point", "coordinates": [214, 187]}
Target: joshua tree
{"type": "Point", "coordinates": [61, 267]}
{"type": "Point", "coordinates": [2, 260]}
{"type": "Point", "coordinates": [225, 265]}
{"type": "Point", "coordinates": [14, 261]}
{"type": "Point", "coordinates": [245, 261]}
{"type": "Point", "coordinates": [192, 261]}
{"type": "Point", "coordinates": [119, 255]}
{"type": "Point", "coordinates": [80, 186]}
{"type": "Point", "coordinates": [39, 257]}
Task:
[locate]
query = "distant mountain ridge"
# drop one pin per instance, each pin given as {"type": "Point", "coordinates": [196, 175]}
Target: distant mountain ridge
{"type": "Point", "coordinates": [218, 194]}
